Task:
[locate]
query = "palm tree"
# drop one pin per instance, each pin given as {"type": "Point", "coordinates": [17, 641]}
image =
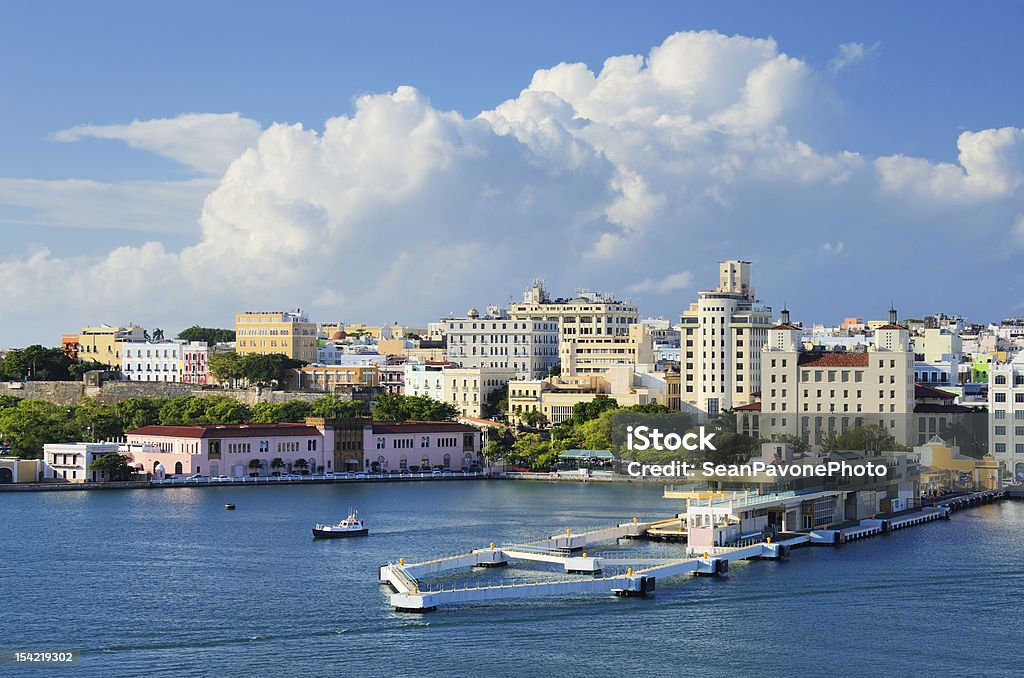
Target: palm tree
{"type": "Point", "coordinates": [301, 464]}
{"type": "Point", "coordinates": [725, 421]}
{"type": "Point", "coordinates": [255, 465]}
{"type": "Point", "coordinates": [276, 462]}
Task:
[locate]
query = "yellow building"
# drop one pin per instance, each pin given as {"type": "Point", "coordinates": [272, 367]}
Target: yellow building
{"type": "Point", "coordinates": [103, 343]}
{"type": "Point", "coordinates": [328, 377]}
{"type": "Point", "coordinates": [285, 332]}
{"type": "Point", "coordinates": [14, 470]}
{"type": "Point", "coordinates": [555, 397]}
{"type": "Point", "coordinates": [944, 468]}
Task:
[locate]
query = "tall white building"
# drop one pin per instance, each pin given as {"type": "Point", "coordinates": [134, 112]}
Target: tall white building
{"type": "Point", "coordinates": [721, 336]}
{"type": "Point", "coordinates": [1006, 415]}
{"type": "Point", "coordinates": [528, 348]}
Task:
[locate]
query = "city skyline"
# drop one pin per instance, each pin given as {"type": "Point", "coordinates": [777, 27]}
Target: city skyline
{"type": "Point", "coordinates": [856, 167]}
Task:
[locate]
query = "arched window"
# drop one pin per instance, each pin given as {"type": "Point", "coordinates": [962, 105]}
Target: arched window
{"type": "Point", "coordinates": [177, 468]}
{"type": "Point", "coordinates": [447, 461]}
{"type": "Point", "coordinates": [1000, 379]}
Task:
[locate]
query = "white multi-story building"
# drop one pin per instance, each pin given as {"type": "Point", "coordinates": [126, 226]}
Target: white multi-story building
{"type": "Point", "coordinates": [1006, 415]}
{"type": "Point", "coordinates": [526, 347]}
{"type": "Point", "coordinates": [152, 361]}
{"type": "Point", "coordinates": [70, 461]}
{"type": "Point", "coordinates": [721, 336]}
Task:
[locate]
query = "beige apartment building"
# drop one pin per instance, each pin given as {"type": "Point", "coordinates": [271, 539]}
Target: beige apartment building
{"type": "Point", "coordinates": [556, 396]}
{"type": "Point", "coordinates": [588, 314]}
{"type": "Point", "coordinates": [815, 393]}
{"type": "Point", "coordinates": [104, 343]}
{"type": "Point", "coordinates": [468, 387]}
{"type": "Point", "coordinates": [329, 378]}
{"type": "Point", "coordinates": [289, 333]}
{"type": "Point", "coordinates": [721, 337]}
{"type": "Point", "coordinates": [582, 355]}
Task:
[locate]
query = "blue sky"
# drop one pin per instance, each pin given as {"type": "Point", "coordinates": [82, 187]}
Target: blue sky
{"type": "Point", "coordinates": [926, 72]}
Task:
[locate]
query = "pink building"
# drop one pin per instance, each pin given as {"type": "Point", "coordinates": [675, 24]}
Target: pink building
{"type": "Point", "coordinates": [318, 445]}
{"type": "Point", "coordinates": [229, 449]}
{"type": "Point", "coordinates": [401, 445]}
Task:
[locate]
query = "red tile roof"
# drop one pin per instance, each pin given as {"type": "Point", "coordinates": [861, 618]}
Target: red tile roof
{"type": "Point", "coordinates": [833, 360]}
{"type": "Point", "coordinates": [922, 391]}
{"type": "Point", "coordinates": [786, 326]}
{"type": "Point", "coordinates": [385, 427]}
{"type": "Point", "coordinates": [227, 431]}
{"type": "Point", "coordinates": [750, 407]}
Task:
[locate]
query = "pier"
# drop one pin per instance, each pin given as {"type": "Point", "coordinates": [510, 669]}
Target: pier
{"type": "Point", "coordinates": [412, 593]}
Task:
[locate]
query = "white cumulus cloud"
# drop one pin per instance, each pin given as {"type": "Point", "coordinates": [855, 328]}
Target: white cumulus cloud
{"type": "Point", "coordinates": [204, 142]}
{"type": "Point", "coordinates": [636, 176]}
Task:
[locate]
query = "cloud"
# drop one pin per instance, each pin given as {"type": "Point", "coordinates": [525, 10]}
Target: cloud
{"type": "Point", "coordinates": [636, 176]}
{"type": "Point", "coordinates": [203, 142]}
{"type": "Point", "coordinates": [147, 206]}
{"type": "Point", "coordinates": [850, 53]}
{"type": "Point", "coordinates": [670, 283]}
{"type": "Point", "coordinates": [991, 165]}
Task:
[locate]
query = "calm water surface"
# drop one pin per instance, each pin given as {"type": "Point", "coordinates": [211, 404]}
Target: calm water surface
{"type": "Point", "coordinates": [166, 582]}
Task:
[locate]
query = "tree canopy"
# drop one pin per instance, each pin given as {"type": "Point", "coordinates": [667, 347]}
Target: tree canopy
{"type": "Point", "coordinates": [252, 368]}
{"type": "Point", "coordinates": [37, 363]}
{"type": "Point", "coordinates": [395, 407]}
{"type": "Point", "coordinates": [211, 335]}
{"type": "Point", "coordinates": [27, 424]}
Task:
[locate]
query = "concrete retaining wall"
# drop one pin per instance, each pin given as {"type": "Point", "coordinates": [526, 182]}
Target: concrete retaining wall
{"type": "Point", "coordinates": [72, 392]}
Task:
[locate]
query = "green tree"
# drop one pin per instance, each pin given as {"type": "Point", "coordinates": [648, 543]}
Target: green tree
{"type": "Point", "coordinates": [871, 437]}
{"type": "Point", "coordinates": [78, 370]}
{"type": "Point", "coordinates": [37, 363]}
{"type": "Point", "coordinates": [7, 401]}
{"type": "Point", "coordinates": [255, 466]}
{"type": "Point", "coordinates": [138, 412]}
{"type": "Point", "coordinates": [268, 369]}
{"type": "Point", "coordinates": [332, 406]}
{"type": "Point", "coordinates": [496, 402]}
{"type": "Point", "coordinates": [301, 465]}
{"type": "Point", "coordinates": [725, 421]}
{"type": "Point", "coordinates": [97, 422]}
{"type": "Point", "coordinates": [531, 451]}
{"type": "Point", "coordinates": [114, 465]}
{"type": "Point", "coordinates": [395, 407]}
{"type": "Point", "coordinates": [535, 418]}
{"type": "Point", "coordinates": [585, 411]}
{"type": "Point", "coordinates": [31, 424]}
{"type": "Point", "coordinates": [227, 367]}
{"type": "Point", "coordinates": [276, 463]}
{"type": "Point", "coordinates": [210, 335]}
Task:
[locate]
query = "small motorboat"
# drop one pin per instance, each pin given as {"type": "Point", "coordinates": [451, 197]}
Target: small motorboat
{"type": "Point", "coordinates": [353, 526]}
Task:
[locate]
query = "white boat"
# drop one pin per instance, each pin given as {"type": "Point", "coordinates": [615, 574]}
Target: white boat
{"type": "Point", "coordinates": [353, 526]}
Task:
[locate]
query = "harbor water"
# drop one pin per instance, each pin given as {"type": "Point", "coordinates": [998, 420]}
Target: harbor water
{"type": "Point", "coordinates": [166, 582]}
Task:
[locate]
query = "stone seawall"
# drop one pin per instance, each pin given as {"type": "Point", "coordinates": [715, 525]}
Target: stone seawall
{"type": "Point", "coordinates": [73, 392]}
